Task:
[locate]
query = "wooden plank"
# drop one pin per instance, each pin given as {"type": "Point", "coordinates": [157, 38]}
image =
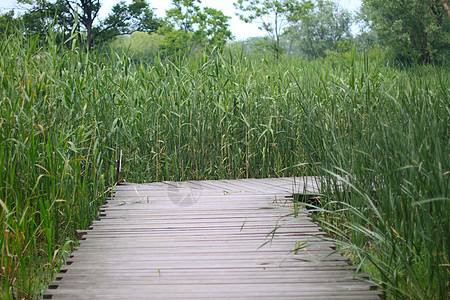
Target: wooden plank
{"type": "Point", "coordinates": [204, 240]}
{"type": "Point", "coordinates": [212, 291]}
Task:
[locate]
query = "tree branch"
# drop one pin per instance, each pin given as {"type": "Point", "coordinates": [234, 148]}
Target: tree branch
{"type": "Point", "coordinates": [446, 7]}
{"type": "Point", "coordinates": [442, 4]}
{"type": "Point", "coordinates": [425, 25]}
{"type": "Point", "coordinates": [431, 3]}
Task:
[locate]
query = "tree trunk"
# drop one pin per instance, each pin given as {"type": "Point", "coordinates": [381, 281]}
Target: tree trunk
{"type": "Point", "coordinates": [89, 11]}
{"type": "Point", "coordinates": [277, 48]}
{"type": "Point", "coordinates": [88, 26]}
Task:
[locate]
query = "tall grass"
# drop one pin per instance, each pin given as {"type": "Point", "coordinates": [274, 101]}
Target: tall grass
{"type": "Point", "coordinates": [65, 115]}
{"type": "Point", "coordinates": [387, 138]}
{"type": "Point", "coordinates": [53, 158]}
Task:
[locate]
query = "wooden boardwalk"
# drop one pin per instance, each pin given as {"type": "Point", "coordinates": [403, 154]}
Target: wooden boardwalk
{"type": "Point", "coordinates": [207, 240]}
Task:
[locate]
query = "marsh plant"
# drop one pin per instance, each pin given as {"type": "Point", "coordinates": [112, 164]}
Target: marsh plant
{"type": "Point", "coordinates": [67, 113]}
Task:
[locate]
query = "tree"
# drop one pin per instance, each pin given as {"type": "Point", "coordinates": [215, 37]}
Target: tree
{"type": "Point", "coordinates": [87, 11]}
{"type": "Point", "coordinates": [126, 19]}
{"type": "Point", "coordinates": [184, 14]}
{"type": "Point", "coordinates": [213, 26]}
{"type": "Point", "coordinates": [175, 42]}
{"type": "Point", "coordinates": [44, 15]}
{"type": "Point", "coordinates": [274, 15]}
{"type": "Point", "coordinates": [323, 29]}
{"type": "Point", "coordinates": [189, 27]}
{"type": "Point", "coordinates": [62, 12]}
{"type": "Point", "coordinates": [7, 21]}
{"type": "Point", "coordinates": [415, 30]}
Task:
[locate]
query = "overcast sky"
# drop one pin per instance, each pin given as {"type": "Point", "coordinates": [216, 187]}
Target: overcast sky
{"type": "Point", "coordinates": [239, 29]}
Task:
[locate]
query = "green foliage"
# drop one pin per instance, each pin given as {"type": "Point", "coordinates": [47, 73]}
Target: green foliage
{"type": "Point", "coordinates": [53, 160]}
{"type": "Point", "coordinates": [325, 28]}
{"type": "Point", "coordinates": [274, 15]}
{"type": "Point", "coordinates": [126, 19]}
{"type": "Point", "coordinates": [416, 31]}
{"type": "Point", "coordinates": [175, 42]}
{"type": "Point", "coordinates": [86, 11]}
{"type": "Point", "coordinates": [190, 28]}
{"type": "Point", "coordinates": [366, 40]}
{"type": "Point", "coordinates": [139, 45]}
{"type": "Point", "coordinates": [65, 114]}
{"type": "Point", "coordinates": [184, 14]}
{"type": "Point", "coordinates": [382, 134]}
{"type": "Point", "coordinates": [262, 46]}
{"type": "Point", "coordinates": [60, 16]}
{"type": "Point", "coordinates": [46, 15]}
{"type": "Point", "coordinates": [7, 23]}
{"type": "Point", "coordinates": [213, 27]}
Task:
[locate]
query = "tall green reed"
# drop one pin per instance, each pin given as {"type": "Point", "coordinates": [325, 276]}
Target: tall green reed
{"type": "Point", "coordinates": [386, 136]}
{"type": "Point", "coordinates": [53, 170]}
{"type": "Point", "coordinates": [65, 114]}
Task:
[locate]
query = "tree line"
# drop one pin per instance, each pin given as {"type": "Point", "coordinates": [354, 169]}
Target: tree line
{"type": "Point", "coordinates": [186, 23]}
{"type": "Point", "coordinates": [410, 30]}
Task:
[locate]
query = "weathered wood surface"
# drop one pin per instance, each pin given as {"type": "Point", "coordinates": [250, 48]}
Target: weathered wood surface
{"type": "Point", "coordinates": [224, 239]}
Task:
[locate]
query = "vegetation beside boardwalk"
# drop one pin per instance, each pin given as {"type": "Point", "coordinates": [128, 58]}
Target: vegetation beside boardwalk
{"type": "Point", "coordinates": [65, 115]}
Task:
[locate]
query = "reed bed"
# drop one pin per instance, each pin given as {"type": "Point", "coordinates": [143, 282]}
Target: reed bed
{"type": "Point", "coordinates": [66, 114]}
